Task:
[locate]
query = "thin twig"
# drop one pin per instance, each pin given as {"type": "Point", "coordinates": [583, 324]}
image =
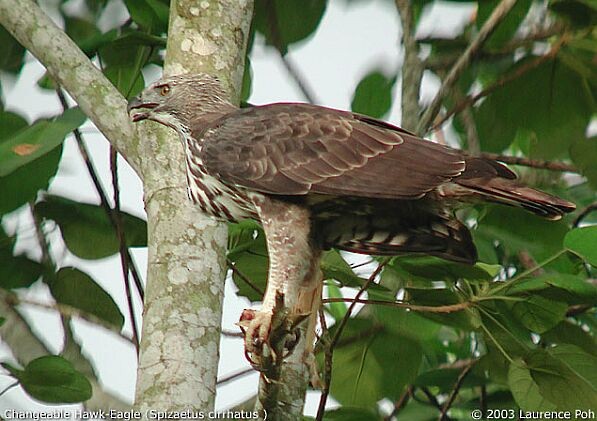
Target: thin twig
{"type": "Point", "coordinates": [470, 100]}
{"type": "Point", "coordinates": [445, 61]}
{"type": "Point", "coordinates": [7, 388]}
{"type": "Point", "coordinates": [578, 309]}
{"type": "Point", "coordinates": [432, 399]}
{"type": "Point", "coordinates": [244, 277]}
{"type": "Point", "coordinates": [426, 309]}
{"type": "Point", "coordinates": [300, 80]}
{"type": "Point", "coordinates": [292, 70]}
{"type": "Point", "coordinates": [533, 163]}
{"type": "Point", "coordinates": [499, 13]}
{"type": "Point", "coordinates": [231, 334]}
{"type": "Point", "coordinates": [122, 247]}
{"type": "Point", "coordinates": [454, 392]}
{"type": "Point", "coordinates": [483, 401]}
{"type": "Point", "coordinates": [584, 213]}
{"type": "Point", "coordinates": [400, 403]}
{"type": "Point", "coordinates": [329, 353]}
{"type": "Point", "coordinates": [63, 309]}
{"type": "Point", "coordinates": [235, 375]}
{"type": "Point", "coordinates": [101, 193]}
{"type": "Point", "coordinates": [46, 258]}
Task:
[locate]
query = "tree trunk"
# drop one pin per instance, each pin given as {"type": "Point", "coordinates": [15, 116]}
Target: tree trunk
{"type": "Point", "coordinates": [181, 329]}
{"type": "Point", "coordinates": [183, 304]}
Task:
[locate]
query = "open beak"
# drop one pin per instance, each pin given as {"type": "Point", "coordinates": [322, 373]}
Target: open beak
{"type": "Point", "coordinates": [137, 104]}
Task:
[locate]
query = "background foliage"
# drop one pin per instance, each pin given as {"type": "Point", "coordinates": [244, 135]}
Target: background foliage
{"type": "Point", "coordinates": [517, 330]}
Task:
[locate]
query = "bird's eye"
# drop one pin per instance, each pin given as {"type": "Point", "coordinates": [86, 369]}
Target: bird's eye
{"type": "Point", "coordinates": [165, 90]}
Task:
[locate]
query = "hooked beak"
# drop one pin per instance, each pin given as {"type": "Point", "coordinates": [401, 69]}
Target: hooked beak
{"type": "Point", "coordinates": [138, 104]}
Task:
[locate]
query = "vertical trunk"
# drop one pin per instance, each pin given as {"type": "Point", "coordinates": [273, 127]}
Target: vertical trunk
{"type": "Point", "coordinates": [183, 304]}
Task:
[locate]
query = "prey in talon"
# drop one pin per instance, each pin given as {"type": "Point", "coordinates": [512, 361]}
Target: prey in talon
{"type": "Point", "coordinates": [319, 178]}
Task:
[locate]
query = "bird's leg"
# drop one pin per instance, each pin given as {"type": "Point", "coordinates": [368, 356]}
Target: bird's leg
{"type": "Point", "coordinates": [293, 267]}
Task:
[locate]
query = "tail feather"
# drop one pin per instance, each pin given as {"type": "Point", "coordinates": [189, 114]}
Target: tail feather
{"type": "Point", "coordinates": [509, 192]}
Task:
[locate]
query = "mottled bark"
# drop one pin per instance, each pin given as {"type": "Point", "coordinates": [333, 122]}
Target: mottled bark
{"type": "Point", "coordinates": [181, 327]}
{"type": "Point", "coordinates": [179, 349]}
{"type": "Point", "coordinates": [412, 67]}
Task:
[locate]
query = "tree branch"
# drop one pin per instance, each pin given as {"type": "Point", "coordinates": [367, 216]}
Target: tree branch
{"type": "Point", "coordinates": [234, 376]}
{"type": "Point", "coordinates": [498, 14]}
{"type": "Point", "coordinates": [125, 257]}
{"type": "Point", "coordinates": [63, 309]}
{"type": "Point", "coordinates": [292, 70]}
{"type": "Point", "coordinates": [447, 60]}
{"type": "Point", "coordinates": [412, 67]}
{"type": "Point", "coordinates": [470, 100]}
{"type": "Point", "coordinates": [329, 351]}
{"type": "Point", "coordinates": [26, 346]}
{"type": "Point", "coordinates": [425, 309]}
{"type": "Point", "coordinates": [454, 392]}
{"type": "Point", "coordinates": [103, 198]}
{"type": "Point", "coordinates": [71, 68]}
{"type": "Point", "coordinates": [584, 213]}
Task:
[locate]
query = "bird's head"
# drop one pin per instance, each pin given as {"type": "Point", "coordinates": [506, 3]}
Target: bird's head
{"type": "Point", "coordinates": [174, 101]}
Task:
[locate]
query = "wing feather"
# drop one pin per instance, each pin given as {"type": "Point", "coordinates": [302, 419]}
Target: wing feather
{"type": "Point", "coordinates": [294, 149]}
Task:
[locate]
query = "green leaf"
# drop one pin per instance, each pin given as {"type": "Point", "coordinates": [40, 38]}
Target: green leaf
{"type": "Point", "coordinates": [72, 287]}
{"type": "Point", "coordinates": [523, 232]}
{"type": "Point", "coordinates": [431, 268]}
{"type": "Point", "coordinates": [372, 367]}
{"type": "Point", "coordinates": [539, 314]}
{"type": "Point", "coordinates": [80, 30]}
{"type": "Point", "coordinates": [578, 360]}
{"type": "Point", "coordinates": [352, 414]}
{"type": "Point", "coordinates": [248, 251]}
{"type": "Point", "coordinates": [10, 123]}
{"type": "Point", "coordinates": [123, 59]}
{"type": "Point", "coordinates": [584, 154]}
{"type": "Point", "coordinates": [569, 333]}
{"type": "Point", "coordinates": [53, 379]}
{"type": "Point", "coordinates": [564, 382]}
{"type": "Point", "coordinates": [128, 79]}
{"type": "Point", "coordinates": [508, 26]}
{"type": "Point", "coordinates": [337, 310]}
{"type": "Point", "coordinates": [7, 242]}
{"type": "Point", "coordinates": [18, 271]}
{"type": "Point", "coordinates": [12, 53]}
{"type": "Point", "coordinates": [149, 14]}
{"type": "Point", "coordinates": [86, 229]}
{"type": "Point", "coordinates": [335, 267]}
{"type": "Point", "coordinates": [583, 242]}
{"type": "Point", "coordinates": [373, 95]}
{"type": "Point", "coordinates": [524, 389]}
{"type": "Point", "coordinates": [504, 331]}
{"type": "Point", "coordinates": [446, 378]}
{"type": "Point", "coordinates": [284, 22]}
{"type": "Point", "coordinates": [37, 140]}
{"type": "Point", "coordinates": [557, 120]}
{"type": "Point", "coordinates": [407, 323]}
{"type": "Point", "coordinates": [466, 320]}
{"type": "Point", "coordinates": [21, 186]}
{"type": "Point", "coordinates": [580, 13]}
{"type": "Point", "coordinates": [247, 85]}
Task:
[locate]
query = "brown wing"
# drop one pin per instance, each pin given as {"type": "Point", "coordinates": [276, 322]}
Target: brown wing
{"type": "Point", "coordinates": [294, 149]}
